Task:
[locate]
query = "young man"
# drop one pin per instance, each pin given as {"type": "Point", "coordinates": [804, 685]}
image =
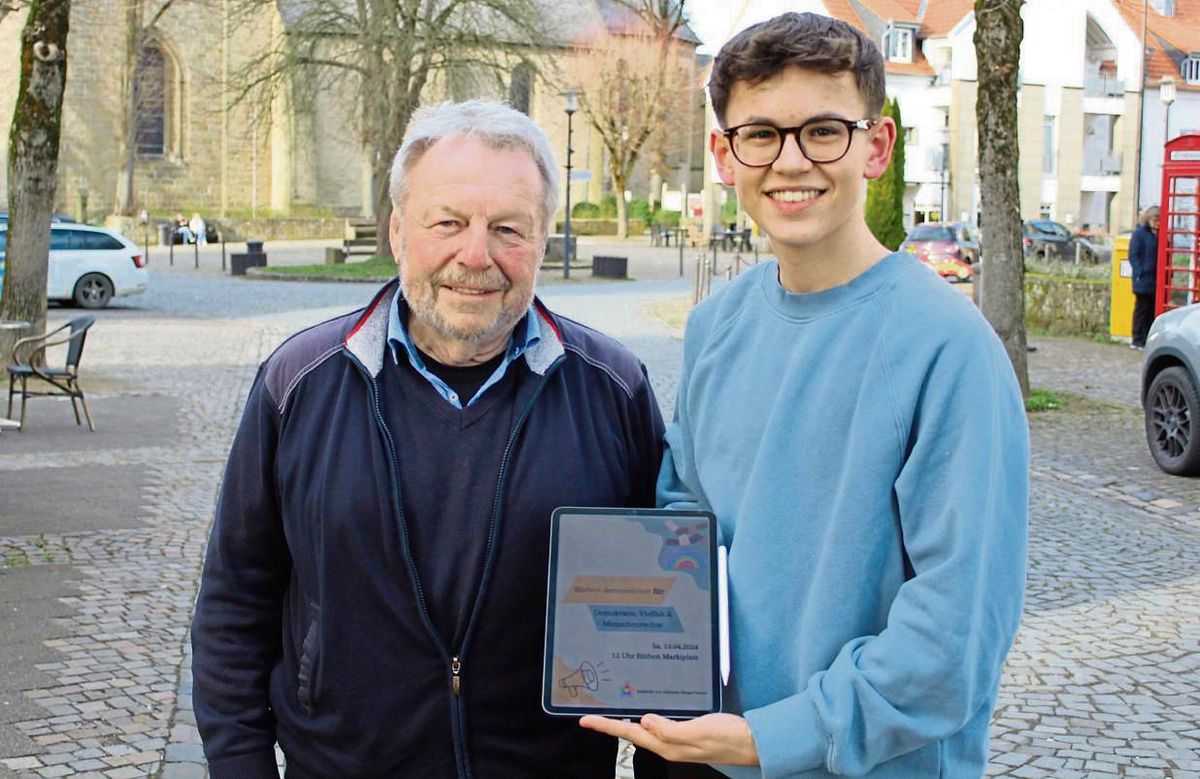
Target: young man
{"type": "Point", "coordinates": [857, 429]}
{"type": "Point", "coordinates": [374, 594]}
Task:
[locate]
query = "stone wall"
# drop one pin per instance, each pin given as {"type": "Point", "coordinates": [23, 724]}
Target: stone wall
{"type": "Point", "coordinates": [280, 229]}
{"type": "Point", "coordinates": [1064, 306]}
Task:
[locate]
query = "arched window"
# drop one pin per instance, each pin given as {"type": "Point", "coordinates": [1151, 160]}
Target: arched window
{"type": "Point", "coordinates": [520, 88]}
{"type": "Point", "coordinates": [156, 103]}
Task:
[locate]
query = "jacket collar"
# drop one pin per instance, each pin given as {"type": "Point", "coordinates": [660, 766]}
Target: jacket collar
{"type": "Point", "coordinates": [367, 340]}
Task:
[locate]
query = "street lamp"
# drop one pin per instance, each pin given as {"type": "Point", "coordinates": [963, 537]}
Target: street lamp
{"type": "Point", "coordinates": [1166, 93]}
{"type": "Point", "coordinates": [571, 107]}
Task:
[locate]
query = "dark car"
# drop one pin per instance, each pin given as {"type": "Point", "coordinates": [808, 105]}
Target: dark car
{"type": "Point", "coordinates": [1044, 239]}
{"type": "Point", "coordinates": [948, 248]}
{"type": "Point", "coordinates": [1171, 390]}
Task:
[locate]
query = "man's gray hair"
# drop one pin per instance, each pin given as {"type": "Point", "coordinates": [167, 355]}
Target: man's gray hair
{"type": "Point", "coordinates": [496, 124]}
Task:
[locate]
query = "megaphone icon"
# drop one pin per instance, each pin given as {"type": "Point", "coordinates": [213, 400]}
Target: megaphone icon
{"type": "Point", "coordinates": [583, 677]}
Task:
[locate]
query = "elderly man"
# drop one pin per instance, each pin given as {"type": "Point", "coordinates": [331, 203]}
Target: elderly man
{"type": "Point", "coordinates": [373, 598]}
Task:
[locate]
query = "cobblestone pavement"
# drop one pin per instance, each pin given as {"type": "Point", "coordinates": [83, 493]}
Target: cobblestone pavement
{"type": "Point", "coordinates": [1103, 679]}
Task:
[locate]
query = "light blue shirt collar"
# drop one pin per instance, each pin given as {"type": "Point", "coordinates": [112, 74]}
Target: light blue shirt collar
{"type": "Point", "coordinates": [524, 336]}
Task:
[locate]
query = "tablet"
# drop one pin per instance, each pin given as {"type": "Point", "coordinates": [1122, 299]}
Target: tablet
{"type": "Point", "coordinates": [632, 613]}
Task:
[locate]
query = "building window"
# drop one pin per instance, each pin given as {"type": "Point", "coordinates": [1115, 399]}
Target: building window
{"type": "Point", "coordinates": [898, 43]}
{"type": "Point", "coordinates": [520, 88]}
{"type": "Point", "coordinates": [1048, 150]}
{"type": "Point", "coordinates": [155, 97]}
{"type": "Point", "coordinates": [910, 136]}
{"type": "Point", "coordinates": [1190, 69]}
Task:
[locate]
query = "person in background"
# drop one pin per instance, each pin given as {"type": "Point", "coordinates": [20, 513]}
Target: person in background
{"type": "Point", "coordinates": [822, 415]}
{"type": "Point", "coordinates": [374, 593]}
{"type": "Point", "coordinates": [1143, 261]}
{"type": "Point", "coordinates": [182, 230]}
{"type": "Point", "coordinates": [198, 228]}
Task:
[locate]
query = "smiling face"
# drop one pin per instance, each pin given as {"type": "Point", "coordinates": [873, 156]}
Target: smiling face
{"type": "Point", "coordinates": [468, 242]}
{"type": "Point", "coordinates": [811, 211]}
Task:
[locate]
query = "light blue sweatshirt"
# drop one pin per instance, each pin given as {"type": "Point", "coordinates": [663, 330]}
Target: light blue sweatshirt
{"type": "Point", "coordinates": [866, 452]}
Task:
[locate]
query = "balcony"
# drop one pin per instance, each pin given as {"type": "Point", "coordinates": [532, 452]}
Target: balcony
{"type": "Point", "coordinates": [1102, 165]}
{"type": "Point", "coordinates": [1101, 86]}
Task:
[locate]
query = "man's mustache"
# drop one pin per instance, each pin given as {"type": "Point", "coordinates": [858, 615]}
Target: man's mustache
{"type": "Point", "coordinates": [488, 279]}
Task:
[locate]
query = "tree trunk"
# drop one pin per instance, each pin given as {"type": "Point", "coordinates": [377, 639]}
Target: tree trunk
{"type": "Point", "coordinates": [128, 123]}
{"type": "Point", "coordinates": [998, 33]}
{"type": "Point", "coordinates": [622, 208]}
{"type": "Point", "coordinates": [383, 204]}
{"type": "Point", "coordinates": [33, 164]}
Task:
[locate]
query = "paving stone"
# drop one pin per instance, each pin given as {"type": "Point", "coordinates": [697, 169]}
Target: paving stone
{"type": "Point", "coordinates": [1103, 679]}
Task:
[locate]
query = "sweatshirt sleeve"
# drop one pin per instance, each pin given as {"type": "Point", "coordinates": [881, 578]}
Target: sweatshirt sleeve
{"type": "Point", "coordinates": [962, 499]}
{"type": "Point", "coordinates": [646, 442]}
{"type": "Point", "coordinates": [677, 486]}
{"type": "Point", "coordinates": [236, 632]}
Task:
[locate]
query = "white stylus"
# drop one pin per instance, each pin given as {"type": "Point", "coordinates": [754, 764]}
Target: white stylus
{"type": "Point", "coordinates": [723, 610]}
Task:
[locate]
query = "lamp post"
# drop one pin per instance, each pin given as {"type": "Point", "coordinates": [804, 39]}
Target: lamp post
{"type": "Point", "coordinates": [571, 107]}
{"type": "Point", "coordinates": [1166, 93]}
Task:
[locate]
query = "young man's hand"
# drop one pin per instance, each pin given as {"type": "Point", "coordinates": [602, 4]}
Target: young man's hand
{"type": "Point", "coordinates": [724, 739]}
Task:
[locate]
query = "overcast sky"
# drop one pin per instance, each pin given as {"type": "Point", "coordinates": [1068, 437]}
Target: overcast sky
{"type": "Point", "coordinates": [715, 20]}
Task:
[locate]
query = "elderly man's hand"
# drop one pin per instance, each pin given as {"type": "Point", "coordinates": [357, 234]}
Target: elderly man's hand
{"type": "Point", "coordinates": [724, 739]}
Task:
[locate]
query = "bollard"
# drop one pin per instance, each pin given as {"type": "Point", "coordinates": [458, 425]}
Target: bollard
{"type": "Point", "coordinates": [171, 251]}
{"type": "Point", "coordinates": [196, 253]}
{"type": "Point", "coordinates": [222, 252]}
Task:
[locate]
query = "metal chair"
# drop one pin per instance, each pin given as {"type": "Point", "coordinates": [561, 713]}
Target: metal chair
{"type": "Point", "coordinates": [29, 362]}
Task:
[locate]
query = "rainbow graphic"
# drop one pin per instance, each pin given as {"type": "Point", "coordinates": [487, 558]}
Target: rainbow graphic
{"type": "Point", "coordinates": [690, 560]}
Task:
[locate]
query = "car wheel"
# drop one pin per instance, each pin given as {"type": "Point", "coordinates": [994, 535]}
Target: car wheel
{"type": "Point", "coordinates": [1173, 422]}
{"type": "Point", "coordinates": [93, 290]}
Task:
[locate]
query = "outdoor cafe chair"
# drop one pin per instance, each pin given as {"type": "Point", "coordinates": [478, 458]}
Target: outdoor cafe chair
{"type": "Point", "coordinates": [29, 363]}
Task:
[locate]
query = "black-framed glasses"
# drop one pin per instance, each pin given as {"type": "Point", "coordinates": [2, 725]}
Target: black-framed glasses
{"type": "Point", "coordinates": [824, 139]}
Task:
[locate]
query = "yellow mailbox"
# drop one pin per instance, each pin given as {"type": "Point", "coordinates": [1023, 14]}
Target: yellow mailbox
{"type": "Point", "coordinates": [1120, 290]}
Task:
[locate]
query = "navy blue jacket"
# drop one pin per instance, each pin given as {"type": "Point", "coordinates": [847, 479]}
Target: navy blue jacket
{"type": "Point", "coordinates": [311, 627]}
{"type": "Point", "coordinates": [1143, 260]}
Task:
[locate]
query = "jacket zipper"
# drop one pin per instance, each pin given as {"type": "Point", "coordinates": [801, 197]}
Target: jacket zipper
{"type": "Point", "coordinates": [456, 683]}
{"type": "Point", "coordinates": [455, 661]}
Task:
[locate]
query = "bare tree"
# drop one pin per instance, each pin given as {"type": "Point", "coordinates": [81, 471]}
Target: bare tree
{"type": "Point", "coordinates": [633, 85]}
{"type": "Point", "coordinates": [998, 33]}
{"type": "Point", "coordinates": [385, 53]}
{"type": "Point", "coordinates": [33, 162]}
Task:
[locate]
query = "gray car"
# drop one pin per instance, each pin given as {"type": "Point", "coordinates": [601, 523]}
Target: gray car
{"type": "Point", "coordinates": [1170, 399]}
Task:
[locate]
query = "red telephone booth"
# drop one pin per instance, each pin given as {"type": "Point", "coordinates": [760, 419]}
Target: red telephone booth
{"type": "Point", "coordinates": [1178, 228]}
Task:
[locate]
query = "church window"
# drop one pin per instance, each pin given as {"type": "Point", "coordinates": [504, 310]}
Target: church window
{"type": "Point", "coordinates": [156, 102]}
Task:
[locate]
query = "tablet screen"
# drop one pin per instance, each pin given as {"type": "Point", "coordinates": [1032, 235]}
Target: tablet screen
{"type": "Point", "coordinates": [631, 623]}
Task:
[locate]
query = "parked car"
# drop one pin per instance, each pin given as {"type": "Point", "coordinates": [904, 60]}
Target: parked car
{"type": "Point", "coordinates": [1170, 395]}
{"type": "Point", "coordinates": [60, 218]}
{"type": "Point", "coordinates": [1044, 239]}
{"type": "Point", "coordinates": [948, 248]}
{"type": "Point", "coordinates": [89, 265]}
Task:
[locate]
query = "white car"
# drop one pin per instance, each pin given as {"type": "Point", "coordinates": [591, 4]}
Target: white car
{"type": "Point", "coordinates": [89, 265]}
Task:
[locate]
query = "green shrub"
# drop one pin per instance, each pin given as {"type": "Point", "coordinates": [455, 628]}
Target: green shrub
{"type": "Point", "coordinates": [638, 209]}
{"type": "Point", "coordinates": [601, 226]}
{"type": "Point", "coordinates": [608, 207]}
{"type": "Point", "coordinates": [666, 218]}
{"type": "Point", "coordinates": [729, 209]}
{"type": "Point", "coordinates": [585, 210]}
